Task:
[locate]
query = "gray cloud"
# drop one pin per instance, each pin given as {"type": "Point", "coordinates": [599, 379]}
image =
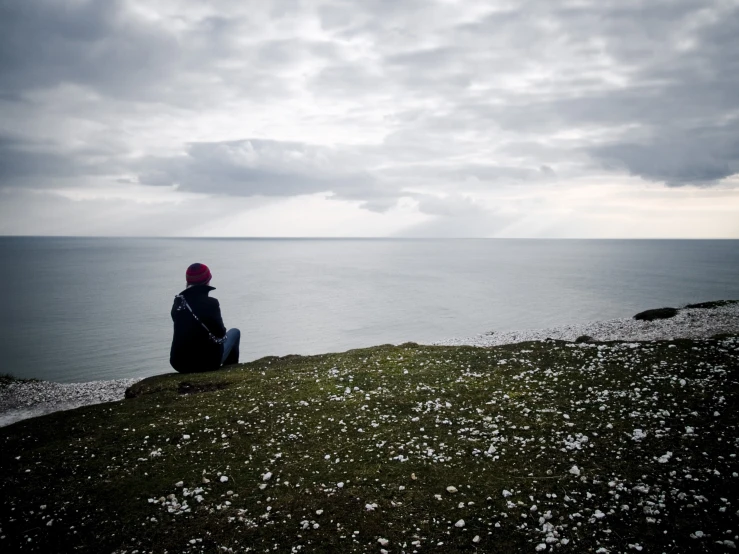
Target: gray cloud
{"type": "Point", "coordinates": [18, 161]}
{"type": "Point", "coordinates": [45, 43]}
{"type": "Point", "coordinates": [698, 157]}
{"type": "Point", "coordinates": [257, 167]}
{"type": "Point", "coordinates": [547, 171]}
{"type": "Point", "coordinates": [434, 97]}
{"type": "Point", "coordinates": [114, 50]}
{"type": "Point", "coordinates": [23, 162]}
{"type": "Point", "coordinates": [456, 217]}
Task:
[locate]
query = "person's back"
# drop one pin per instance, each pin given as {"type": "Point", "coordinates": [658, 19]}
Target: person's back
{"type": "Point", "coordinates": [200, 341]}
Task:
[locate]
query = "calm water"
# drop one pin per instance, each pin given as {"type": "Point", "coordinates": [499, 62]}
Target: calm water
{"type": "Point", "coordinates": [79, 309]}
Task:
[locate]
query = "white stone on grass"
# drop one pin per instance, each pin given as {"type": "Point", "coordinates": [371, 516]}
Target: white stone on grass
{"type": "Point", "coordinates": [638, 434]}
{"type": "Point", "coordinates": [665, 458]}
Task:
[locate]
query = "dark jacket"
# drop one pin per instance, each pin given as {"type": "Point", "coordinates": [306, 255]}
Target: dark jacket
{"type": "Point", "coordinates": [192, 348]}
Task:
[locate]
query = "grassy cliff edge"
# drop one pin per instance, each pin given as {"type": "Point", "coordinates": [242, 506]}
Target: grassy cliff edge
{"type": "Point", "coordinates": [530, 447]}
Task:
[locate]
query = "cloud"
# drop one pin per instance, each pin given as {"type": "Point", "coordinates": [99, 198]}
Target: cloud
{"type": "Point", "coordinates": [369, 102]}
{"type": "Point", "coordinates": [34, 212]}
{"type": "Point", "coordinates": [257, 167]}
{"type": "Point", "coordinates": [547, 171]}
{"type": "Point", "coordinates": [698, 157]}
{"type": "Point", "coordinates": [19, 160]}
{"type": "Point", "coordinates": [457, 216]}
{"type": "Point", "coordinates": [96, 43]}
{"type": "Point", "coordinates": [454, 206]}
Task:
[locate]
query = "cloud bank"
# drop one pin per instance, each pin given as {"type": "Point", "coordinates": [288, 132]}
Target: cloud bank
{"type": "Point", "coordinates": [451, 110]}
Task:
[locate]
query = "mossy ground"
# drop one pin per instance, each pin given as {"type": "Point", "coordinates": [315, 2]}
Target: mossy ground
{"type": "Point", "coordinates": [6, 379]}
{"type": "Point", "coordinates": [521, 448]}
{"type": "Point", "coordinates": [712, 304]}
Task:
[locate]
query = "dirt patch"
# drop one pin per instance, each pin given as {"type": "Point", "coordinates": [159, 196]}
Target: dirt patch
{"type": "Point", "coordinates": [194, 388]}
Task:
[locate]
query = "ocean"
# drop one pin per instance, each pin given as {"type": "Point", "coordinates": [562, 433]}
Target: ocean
{"type": "Point", "coordinates": [81, 309]}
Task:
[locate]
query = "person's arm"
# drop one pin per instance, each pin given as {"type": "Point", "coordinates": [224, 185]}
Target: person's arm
{"type": "Point", "coordinates": [215, 322]}
{"type": "Point", "coordinates": [174, 309]}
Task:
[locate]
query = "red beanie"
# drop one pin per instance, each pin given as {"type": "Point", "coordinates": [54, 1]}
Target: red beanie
{"type": "Point", "coordinates": [198, 274]}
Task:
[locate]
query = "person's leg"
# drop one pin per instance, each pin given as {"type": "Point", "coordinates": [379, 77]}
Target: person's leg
{"type": "Point", "coordinates": [231, 347]}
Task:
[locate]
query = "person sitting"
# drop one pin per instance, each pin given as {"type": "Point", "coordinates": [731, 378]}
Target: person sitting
{"type": "Point", "coordinates": [200, 341]}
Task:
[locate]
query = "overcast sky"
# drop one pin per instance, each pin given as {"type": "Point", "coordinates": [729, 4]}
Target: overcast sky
{"type": "Point", "coordinates": [445, 118]}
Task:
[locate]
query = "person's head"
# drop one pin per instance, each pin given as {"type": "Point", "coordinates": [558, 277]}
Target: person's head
{"type": "Point", "coordinates": [197, 274]}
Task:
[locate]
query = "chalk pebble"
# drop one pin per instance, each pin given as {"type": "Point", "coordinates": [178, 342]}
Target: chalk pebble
{"type": "Point", "coordinates": [689, 323]}
{"type": "Point", "coordinates": [25, 399]}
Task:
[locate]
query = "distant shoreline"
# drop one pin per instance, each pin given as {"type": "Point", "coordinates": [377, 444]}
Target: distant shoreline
{"type": "Point", "coordinates": [22, 399]}
{"type": "Point", "coordinates": [149, 237]}
{"type": "Point", "coordinates": [689, 323]}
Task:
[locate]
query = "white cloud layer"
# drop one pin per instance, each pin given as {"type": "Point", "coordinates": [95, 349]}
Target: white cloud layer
{"type": "Point", "coordinates": [388, 118]}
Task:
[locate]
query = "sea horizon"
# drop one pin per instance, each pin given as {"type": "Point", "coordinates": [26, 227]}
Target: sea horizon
{"type": "Point", "coordinates": [88, 308]}
{"type": "Point", "coordinates": [164, 237]}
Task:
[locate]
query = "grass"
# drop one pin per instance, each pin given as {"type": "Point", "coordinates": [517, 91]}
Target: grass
{"type": "Point", "coordinates": [7, 379]}
{"type": "Point", "coordinates": [607, 447]}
